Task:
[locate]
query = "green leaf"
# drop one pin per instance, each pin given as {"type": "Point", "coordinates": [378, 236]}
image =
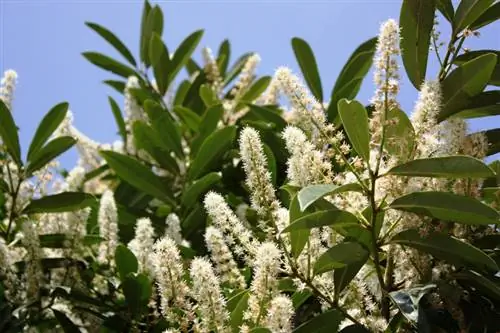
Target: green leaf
{"type": "Point", "coordinates": [308, 195]}
{"type": "Point", "coordinates": [355, 120]}
{"type": "Point", "coordinates": [119, 86]}
{"type": "Point", "coordinates": [491, 15]}
{"type": "Point", "coordinates": [47, 126]}
{"type": "Point", "coordinates": [160, 60]}
{"type": "Point", "coordinates": [350, 78]}
{"type": "Point", "coordinates": [59, 203]}
{"type": "Point", "coordinates": [208, 125]}
{"type": "Point", "coordinates": [184, 52]}
{"type": "Point", "coordinates": [223, 57]}
{"type": "Point", "coordinates": [446, 248]}
{"type": "Point", "coordinates": [343, 276]}
{"type": "Point", "coordinates": [255, 90]}
{"type": "Point", "coordinates": [446, 8]}
{"type": "Point", "coordinates": [126, 262]}
{"type": "Point", "coordinates": [109, 64]}
{"type": "Point", "coordinates": [236, 318]}
{"type": "Point", "coordinates": [467, 12]}
{"type": "Point", "coordinates": [181, 93]}
{"type": "Point", "coordinates": [323, 218]}
{"type": "Point", "coordinates": [236, 68]}
{"type": "Point", "coordinates": [8, 133]}
{"type": "Point", "coordinates": [400, 135]}
{"type": "Point", "coordinates": [448, 207]}
{"type": "Point", "coordinates": [198, 188]}
{"type": "Point", "coordinates": [495, 76]}
{"type": "Point", "coordinates": [339, 256]}
{"type": "Point", "coordinates": [49, 152]}
{"type": "Point", "coordinates": [493, 137]}
{"type": "Point", "coordinates": [114, 41]}
{"type": "Point", "coordinates": [189, 117]}
{"type": "Point", "coordinates": [164, 127]}
{"type": "Point", "coordinates": [308, 66]}
{"type": "Point", "coordinates": [299, 237]}
{"type": "Point", "coordinates": [465, 82]}
{"type": "Point", "coordinates": [266, 114]}
{"type": "Point", "coordinates": [355, 328]}
{"type": "Point", "coordinates": [120, 122]}
{"type": "Point", "coordinates": [152, 21]}
{"type": "Point", "coordinates": [137, 175]}
{"type": "Point", "coordinates": [325, 322]}
{"type": "Point", "coordinates": [212, 149]}
{"type": "Point", "coordinates": [446, 167]}
{"type": "Point", "coordinates": [485, 104]}
{"type": "Point", "coordinates": [208, 95]}
{"type": "Point", "coordinates": [66, 324]}
{"type": "Point", "coordinates": [481, 283]}
{"type": "Point", "coordinates": [416, 21]}
{"type": "Point", "coordinates": [137, 291]}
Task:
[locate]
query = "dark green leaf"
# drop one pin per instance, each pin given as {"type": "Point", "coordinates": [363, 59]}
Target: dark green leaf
{"type": "Point", "coordinates": [447, 207]}
{"type": "Point", "coordinates": [137, 291]}
{"type": "Point", "coordinates": [126, 262]}
{"type": "Point", "coordinates": [58, 203]}
{"type": "Point", "coordinates": [308, 195]}
{"type": "Point", "coordinates": [109, 64]}
{"type": "Point", "coordinates": [8, 133]}
{"type": "Point", "coordinates": [212, 149]}
{"type": "Point", "coordinates": [355, 328]}
{"type": "Point", "coordinates": [467, 12]}
{"type": "Point", "coordinates": [446, 248]}
{"type": "Point", "coordinates": [478, 281]}
{"type": "Point", "coordinates": [137, 175]}
{"type": "Point", "coordinates": [120, 122]}
{"type": "Point", "coordinates": [300, 297]}
{"type": "Point", "coordinates": [416, 21]}
{"type": "Point", "coordinates": [208, 125]}
{"type": "Point", "coordinates": [446, 8]}
{"type": "Point", "coordinates": [266, 114]}
{"type": "Point", "coordinates": [198, 188]}
{"type": "Point", "coordinates": [47, 126]}
{"type": "Point", "coordinates": [485, 104]}
{"type": "Point", "coordinates": [160, 60]}
{"type": "Point", "coordinates": [119, 86]}
{"type": "Point", "coordinates": [325, 322]}
{"type": "Point", "coordinates": [223, 56]}
{"type": "Point", "coordinates": [189, 117]}
{"type": "Point", "coordinates": [49, 152]}
{"type": "Point", "coordinates": [355, 120]}
{"type": "Point", "coordinates": [184, 52]}
{"type": "Point", "coordinates": [255, 90]}
{"type": "Point", "coordinates": [114, 41]}
{"type": "Point", "coordinates": [323, 218]}
{"type": "Point", "coordinates": [493, 137]}
{"type": "Point", "coordinates": [308, 66]}
{"type": "Point", "coordinates": [342, 276]}
{"type": "Point", "coordinates": [339, 256]}
{"type": "Point", "coordinates": [446, 167]}
{"type": "Point", "coordinates": [491, 15]}
{"type": "Point", "coordinates": [182, 90]}
{"type": "Point", "coordinates": [237, 314]}
{"type": "Point", "coordinates": [350, 78]}
{"type": "Point", "coordinates": [152, 21]}
{"type": "Point", "coordinates": [67, 325]}
{"type": "Point", "coordinates": [465, 82]}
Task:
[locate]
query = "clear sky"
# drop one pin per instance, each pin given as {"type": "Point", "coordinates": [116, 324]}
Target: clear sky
{"type": "Point", "coordinates": [43, 39]}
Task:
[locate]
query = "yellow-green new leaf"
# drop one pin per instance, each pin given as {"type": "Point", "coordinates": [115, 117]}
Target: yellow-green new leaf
{"type": "Point", "coordinates": [355, 120]}
{"type": "Point", "coordinates": [448, 207]}
{"type": "Point", "coordinates": [445, 167]}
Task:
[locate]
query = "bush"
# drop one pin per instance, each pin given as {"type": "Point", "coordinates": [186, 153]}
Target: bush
{"type": "Point", "coordinates": [225, 209]}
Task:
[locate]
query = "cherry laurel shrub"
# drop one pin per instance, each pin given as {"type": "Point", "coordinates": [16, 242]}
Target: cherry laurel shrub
{"type": "Point", "coordinates": [239, 203]}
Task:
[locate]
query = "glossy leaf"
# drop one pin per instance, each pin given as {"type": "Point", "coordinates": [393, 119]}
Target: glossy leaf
{"type": "Point", "coordinates": [208, 125]}
{"type": "Point", "coordinates": [342, 276]}
{"type": "Point", "coordinates": [308, 195]}
{"type": "Point", "coordinates": [223, 57]}
{"type": "Point", "coordinates": [120, 122]}
{"type": "Point", "coordinates": [323, 218]}
{"type": "Point", "coordinates": [339, 256]}
{"type": "Point", "coordinates": [137, 291]}
{"type": "Point", "coordinates": [160, 60]}
{"type": "Point", "coordinates": [465, 82]}
{"type": "Point", "coordinates": [58, 203]}
{"type": "Point", "coordinates": [446, 9]}
{"type": "Point", "coordinates": [137, 175]}
{"type": "Point", "coordinates": [416, 21]}
{"type": "Point", "coordinates": [352, 75]}
{"type": "Point", "coordinates": [208, 95]}
{"type": "Point", "coordinates": [49, 152]}
{"type": "Point", "coordinates": [214, 146]}
{"type": "Point", "coordinates": [198, 188]}
{"type": "Point", "coordinates": [355, 121]}
{"type": "Point", "coordinates": [256, 89]}
{"type": "Point", "coordinates": [109, 64]}
{"type": "Point", "coordinates": [117, 85]}
{"type": "Point", "coordinates": [446, 248]}
{"type": "Point", "coordinates": [8, 133]}
{"type": "Point", "coordinates": [181, 92]}
{"type": "Point", "coordinates": [152, 21]}
{"type": "Point", "coordinates": [47, 126]}
{"type": "Point", "coordinates": [266, 114]}
{"type": "Point", "coordinates": [126, 262]}
{"type": "Point", "coordinates": [467, 12]}
{"type": "Point", "coordinates": [188, 117]}
{"type": "Point", "coordinates": [446, 167]}
{"type": "Point", "coordinates": [113, 40]}
{"type": "Point", "coordinates": [299, 237]}
{"type": "Point", "coordinates": [448, 207]}
{"type": "Point", "coordinates": [491, 15]}
{"type": "Point", "coordinates": [478, 281]}
{"type": "Point", "coordinates": [325, 322]}
{"type": "Point", "coordinates": [308, 66]}
{"type": "Point", "coordinates": [184, 52]}
{"type": "Point", "coordinates": [485, 104]}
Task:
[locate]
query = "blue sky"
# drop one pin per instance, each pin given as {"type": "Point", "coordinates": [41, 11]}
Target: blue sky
{"type": "Point", "coordinates": [43, 40]}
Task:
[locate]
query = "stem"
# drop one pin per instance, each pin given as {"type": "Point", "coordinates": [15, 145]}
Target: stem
{"type": "Point", "coordinates": [436, 50]}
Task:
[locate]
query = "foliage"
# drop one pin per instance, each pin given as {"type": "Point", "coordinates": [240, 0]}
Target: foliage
{"type": "Point", "coordinates": [221, 209]}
